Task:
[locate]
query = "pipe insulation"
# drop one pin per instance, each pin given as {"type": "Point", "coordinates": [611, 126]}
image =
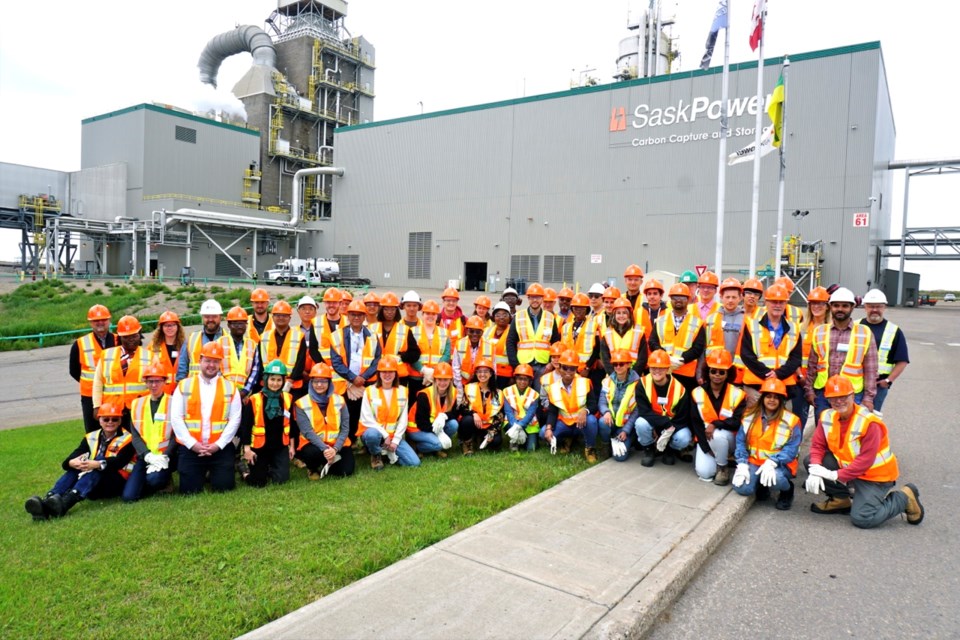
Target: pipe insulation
{"type": "Point", "coordinates": [243, 38]}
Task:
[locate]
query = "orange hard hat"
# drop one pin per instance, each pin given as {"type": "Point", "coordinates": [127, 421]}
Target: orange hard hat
{"type": "Point", "coordinates": [431, 306]}
{"type": "Point", "coordinates": [482, 301]}
{"type": "Point", "coordinates": [155, 369]}
{"type": "Point", "coordinates": [658, 360]}
{"type": "Point", "coordinates": [483, 363]}
{"type": "Point", "coordinates": [535, 289]}
{"type": "Point", "coordinates": [168, 316]}
{"type": "Point", "coordinates": [753, 284]}
{"type": "Point", "coordinates": [371, 297]}
{"type": "Point", "coordinates": [236, 314]}
{"type": "Point", "coordinates": [557, 348]}
{"type": "Point", "coordinates": [680, 289]}
{"type": "Point", "coordinates": [321, 370]}
{"type": "Point", "coordinates": [837, 387]}
{"type": "Point", "coordinates": [580, 300]}
{"type": "Point", "coordinates": [357, 306]}
{"type": "Point", "coordinates": [708, 278]}
{"type": "Point", "coordinates": [787, 282]}
{"type": "Point", "coordinates": [450, 292]}
{"type": "Point", "coordinates": [620, 355]}
{"type": "Point", "coordinates": [443, 370]}
{"type": "Point", "coordinates": [549, 295]}
{"type": "Point", "coordinates": [388, 363]}
{"type": "Point", "coordinates": [569, 359]}
{"type": "Point", "coordinates": [566, 292]}
{"type": "Point", "coordinates": [475, 322]}
{"type": "Point", "coordinates": [212, 350]}
{"type": "Point", "coordinates": [611, 293]}
{"type": "Point", "coordinates": [622, 303]}
{"type": "Point", "coordinates": [776, 293]}
{"type": "Point", "coordinates": [818, 294]}
{"type": "Point", "coordinates": [282, 307]}
{"type": "Point", "coordinates": [98, 312]}
{"type": "Point", "coordinates": [774, 385]}
{"type": "Point", "coordinates": [332, 295]}
{"type": "Point", "coordinates": [110, 410]}
{"type": "Point", "coordinates": [389, 299]}
{"type": "Point", "coordinates": [523, 370]}
{"type": "Point", "coordinates": [653, 284]}
{"type": "Point", "coordinates": [730, 283]}
{"type": "Point", "coordinates": [127, 326]}
{"type": "Point", "coordinates": [633, 271]}
{"type": "Point", "coordinates": [345, 296]}
{"type": "Point", "coordinates": [719, 359]}
{"type": "Point", "coordinates": [259, 295]}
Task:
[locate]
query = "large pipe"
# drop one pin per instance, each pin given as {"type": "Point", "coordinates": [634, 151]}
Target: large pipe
{"type": "Point", "coordinates": [243, 38]}
{"type": "Point", "coordinates": [313, 171]}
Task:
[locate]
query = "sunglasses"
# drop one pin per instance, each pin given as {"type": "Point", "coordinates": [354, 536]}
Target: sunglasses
{"type": "Point", "coordinates": [621, 364]}
{"type": "Point", "coordinates": [594, 296]}
{"type": "Point", "coordinates": [718, 372]}
{"type": "Point", "coordinates": [110, 420]}
{"type": "Point", "coordinates": [564, 367]}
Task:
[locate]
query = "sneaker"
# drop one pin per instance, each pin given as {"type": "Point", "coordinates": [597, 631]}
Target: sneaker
{"type": "Point", "coordinates": [376, 462]}
{"type": "Point", "coordinates": [565, 445]}
{"type": "Point", "coordinates": [710, 479]}
{"type": "Point", "coordinates": [832, 505]}
{"type": "Point", "coordinates": [669, 457]}
{"type": "Point", "coordinates": [590, 453]}
{"type": "Point", "coordinates": [785, 499]}
{"type": "Point", "coordinates": [34, 506]}
{"type": "Point", "coordinates": [722, 478]}
{"type": "Point", "coordinates": [647, 457]}
{"type": "Point", "coordinates": [914, 508]}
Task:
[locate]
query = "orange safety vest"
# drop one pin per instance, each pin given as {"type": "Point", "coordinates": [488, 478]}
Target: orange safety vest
{"type": "Point", "coordinates": [475, 401]}
{"type": "Point", "coordinates": [676, 342]}
{"type": "Point", "coordinates": [772, 357]}
{"type": "Point", "coordinates": [321, 328]}
{"type": "Point", "coordinates": [569, 404]}
{"type": "Point", "coordinates": [121, 440]}
{"type": "Point", "coordinates": [805, 346]}
{"type": "Point", "coordinates": [435, 408]}
{"type": "Point", "coordinates": [715, 341]}
{"type": "Point", "coordinates": [884, 468]}
{"type": "Point", "coordinates": [583, 338]}
{"type": "Point", "coordinates": [90, 352]}
{"type": "Point", "coordinates": [236, 368]}
{"type": "Point", "coordinates": [156, 430]}
{"type": "Point", "coordinates": [195, 344]}
{"type": "Point", "coordinates": [627, 403]}
{"type": "Point", "coordinates": [123, 386]}
{"type": "Point", "coordinates": [467, 356]}
{"type": "Point", "coordinates": [732, 397]}
{"type": "Point", "coordinates": [386, 413]}
{"type": "Point", "coordinates": [259, 431]}
{"type": "Point", "coordinates": [641, 318]}
{"type": "Point", "coordinates": [496, 349]}
{"type": "Point", "coordinates": [367, 355]}
{"type": "Point", "coordinates": [534, 346]}
{"type": "Point", "coordinates": [548, 379]}
{"type": "Point", "coordinates": [325, 424]}
{"type": "Point", "coordinates": [629, 341]}
{"type": "Point", "coordinates": [431, 347]}
{"type": "Point", "coordinates": [395, 344]}
{"type": "Point", "coordinates": [667, 405]}
{"type": "Point", "coordinates": [252, 332]}
{"type": "Point", "coordinates": [219, 413]}
{"type": "Point", "coordinates": [852, 367]}
{"type": "Point", "coordinates": [521, 403]}
{"type": "Point", "coordinates": [288, 352]}
{"type": "Point", "coordinates": [765, 444]}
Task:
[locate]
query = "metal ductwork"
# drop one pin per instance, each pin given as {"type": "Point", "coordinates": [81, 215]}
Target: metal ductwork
{"type": "Point", "coordinates": [297, 177]}
{"type": "Point", "coordinates": [243, 38]}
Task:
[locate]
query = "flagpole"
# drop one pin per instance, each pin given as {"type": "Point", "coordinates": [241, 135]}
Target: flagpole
{"type": "Point", "coordinates": [783, 164]}
{"type": "Point", "coordinates": [724, 131]}
{"type": "Point", "coordinates": [755, 207]}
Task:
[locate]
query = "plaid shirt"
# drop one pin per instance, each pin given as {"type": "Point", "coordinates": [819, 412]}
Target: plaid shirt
{"type": "Point", "coordinates": [838, 336]}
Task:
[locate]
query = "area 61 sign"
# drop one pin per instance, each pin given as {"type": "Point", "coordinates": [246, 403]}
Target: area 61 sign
{"type": "Point", "coordinates": [861, 219]}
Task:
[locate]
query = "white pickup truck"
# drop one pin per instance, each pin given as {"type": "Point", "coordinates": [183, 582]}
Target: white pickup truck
{"type": "Point", "coordinates": [303, 272]}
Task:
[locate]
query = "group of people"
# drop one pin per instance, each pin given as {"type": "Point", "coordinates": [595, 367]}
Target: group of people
{"type": "Point", "coordinates": [702, 371]}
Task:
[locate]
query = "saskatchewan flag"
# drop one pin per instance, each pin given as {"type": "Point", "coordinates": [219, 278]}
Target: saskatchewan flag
{"type": "Point", "coordinates": [775, 111]}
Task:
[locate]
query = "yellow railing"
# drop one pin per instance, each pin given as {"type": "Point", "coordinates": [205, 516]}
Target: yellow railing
{"type": "Point", "coordinates": [226, 203]}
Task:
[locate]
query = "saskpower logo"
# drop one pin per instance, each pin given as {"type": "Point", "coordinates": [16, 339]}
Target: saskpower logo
{"type": "Point", "coordinates": [618, 119]}
{"type": "Point", "coordinates": [646, 117]}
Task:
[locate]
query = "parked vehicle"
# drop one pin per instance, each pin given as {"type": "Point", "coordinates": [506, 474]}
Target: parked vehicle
{"type": "Point", "coordinates": [303, 271]}
{"type": "Point", "coordinates": [949, 297]}
{"type": "Point", "coordinates": [926, 300]}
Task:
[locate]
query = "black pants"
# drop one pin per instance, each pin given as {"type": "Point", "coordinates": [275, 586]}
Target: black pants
{"type": "Point", "coordinates": [353, 408]}
{"type": "Point", "coordinates": [414, 386]}
{"type": "Point", "coordinates": [193, 468]}
{"type": "Point", "coordinates": [313, 457]}
{"type": "Point", "coordinates": [272, 463]}
{"type": "Point", "coordinates": [468, 430]}
{"type": "Point", "coordinates": [689, 382]}
{"type": "Point", "coordinates": [89, 422]}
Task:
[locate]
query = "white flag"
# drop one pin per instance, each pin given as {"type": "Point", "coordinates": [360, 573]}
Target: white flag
{"type": "Point", "coordinates": [746, 154]}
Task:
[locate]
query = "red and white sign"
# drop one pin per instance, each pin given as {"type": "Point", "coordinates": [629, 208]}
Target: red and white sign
{"type": "Point", "coordinates": [596, 258]}
{"type": "Point", "coordinates": [701, 269]}
{"type": "Point", "coordinates": [861, 219]}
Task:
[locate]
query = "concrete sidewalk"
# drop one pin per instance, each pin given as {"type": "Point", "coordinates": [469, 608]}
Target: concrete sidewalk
{"type": "Point", "coordinates": [600, 555]}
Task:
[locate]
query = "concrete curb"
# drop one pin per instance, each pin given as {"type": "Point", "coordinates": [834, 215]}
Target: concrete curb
{"type": "Point", "coordinates": [636, 614]}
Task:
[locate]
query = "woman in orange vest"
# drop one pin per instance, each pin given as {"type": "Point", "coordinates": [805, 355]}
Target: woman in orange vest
{"type": "Point", "coordinates": [495, 345]}
{"type": "Point", "coordinates": [383, 419]}
{"type": "Point", "coordinates": [520, 404]}
{"type": "Point", "coordinates": [663, 412]}
{"type": "Point", "coordinates": [152, 437]}
{"type": "Point", "coordinates": [621, 333]}
{"type": "Point", "coordinates": [324, 425]}
{"type": "Point", "coordinates": [483, 414]}
{"type": "Point", "coordinates": [468, 350]}
{"type": "Point", "coordinates": [433, 417]}
{"type": "Point", "coordinates": [165, 345]}
{"type": "Point", "coordinates": [371, 302]}
{"type": "Point", "coordinates": [265, 429]}
{"type": "Point", "coordinates": [394, 335]}
{"type": "Point", "coordinates": [767, 447]}
{"type": "Point", "coordinates": [818, 312]}
{"type": "Point", "coordinates": [715, 417]}
{"type": "Point", "coordinates": [481, 308]}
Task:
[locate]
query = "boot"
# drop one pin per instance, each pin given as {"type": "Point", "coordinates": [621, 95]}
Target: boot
{"type": "Point", "coordinates": [36, 508]}
{"type": "Point", "coordinates": [722, 478]}
{"type": "Point", "coordinates": [60, 505]}
{"type": "Point", "coordinates": [785, 499]}
{"type": "Point", "coordinates": [565, 445]}
{"type": "Point", "coordinates": [914, 508]}
{"type": "Point", "coordinates": [832, 505]}
{"type": "Point", "coordinates": [669, 456]}
{"type": "Point", "coordinates": [763, 493]}
{"type": "Point", "coordinates": [466, 446]}
{"type": "Point", "coordinates": [376, 462]}
{"type": "Point", "coordinates": [647, 457]}
{"type": "Point", "coordinates": [590, 453]}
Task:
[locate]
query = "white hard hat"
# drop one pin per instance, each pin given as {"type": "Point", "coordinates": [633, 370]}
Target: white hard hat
{"type": "Point", "coordinates": [211, 308]}
{"type": "Point", "coordinates": [596, 287]}
{"type": "Point", "coordinates": [306, 300]}
{"type": "Point", "coordinates": [843, 295]}
{"type": "Point", "coordinates": [875, 296]}
{"type": "Point", "coordinates": [411, 296]}
{"type": "Point", "coordinates": [510, 290]}
{"type": "Point", "coordinates": [503, 306]}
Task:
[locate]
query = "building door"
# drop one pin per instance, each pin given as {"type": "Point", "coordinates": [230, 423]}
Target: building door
{"type": "Point", "coordinates": [153, 267]}
{"type": "Point", "coordinates": [474, 276]}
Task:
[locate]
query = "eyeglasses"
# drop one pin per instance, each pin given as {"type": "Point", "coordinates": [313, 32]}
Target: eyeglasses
{"type": "Point", "coordinates": [621, 364]}
{"type": "Point", "coordinates": [841, 400]}
{"type": "Point", "coordinates": [594, 296]}
{"type": "Point", "coordinates": [109, 420]}
{"type": "Point", "coordinates": [750, 292]}
{"type": "Point", "coordinates": [564, 367]}
{"type": "Point", "coordinates": [718, 372]}
{"type": "Point", "coordinates": [155, 380]}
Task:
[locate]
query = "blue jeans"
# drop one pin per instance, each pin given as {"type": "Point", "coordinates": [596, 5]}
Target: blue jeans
{"type": "Point", "coordinates": [722, 444]}
{"type": "Point", "coordinates": [750, 486]}
{"type": "Point", "coordinates": [603, 431]}
{"type": "Point", "coordinates": [139, 477]}
{"type": "Point", "coordinates": [589, 432]}
{"type": "Point", "coordinates": [880, 397]}
{"type": "Point", "coordinates": [427, 441]}
{"type": "Point", "coordinates": [71, 481]}
{"type": "Point", "coordinates": [680, 439]}
{"type": "Point", "coordinates": [614, 433]}
{"type": "Point", "coordinates": [373, 441]}
{"type": "Point", "coordinates": [531, 441]}
{"type": "Point", "coordinates": [799, 404]}
{"type": "Point", "coordinates": [820, 403]}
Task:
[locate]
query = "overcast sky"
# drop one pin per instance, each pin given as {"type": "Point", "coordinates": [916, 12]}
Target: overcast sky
{"type": "Point", "coordinates": [72, 60]}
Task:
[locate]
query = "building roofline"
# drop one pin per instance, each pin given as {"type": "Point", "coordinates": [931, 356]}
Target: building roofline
{"type": "Point", "coordinates": [172, 112]}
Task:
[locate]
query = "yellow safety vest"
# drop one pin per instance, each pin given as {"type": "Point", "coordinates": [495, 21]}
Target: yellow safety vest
{"type": "Point", "coordinates": [534, 346]}
{"type": "Point", "coordinates": [884, 368]}
{"type": "Point", "coordinates": [259, 431]}
{"type": "Point", "coordinates": [569, 404]}
{"type": "Point", "coordinates": [852, 367]}
{"type": "Point", "coordinates": [884, 468]}
{"type": "Point", "coordinates": [235, 367]}
{"type": "Point", "coordinates": [521, 403]}
{"type": "Point", "coordinates": [119, 385]}
{"type": "Point", "coordinates": [627, 403]}
{"type": "Point", "coordinates": [155, 430]}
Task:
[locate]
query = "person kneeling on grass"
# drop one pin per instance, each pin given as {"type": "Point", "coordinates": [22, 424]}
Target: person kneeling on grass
{"type": "Point", "coordinates": [383, 418]}
{"type": "Point", "coordinates": [324, 424]}
{"type": "Point", "coordinates": [572, 410]}
{"type": "Point", "coordinates": [432, 421]}
{"type": "Point", "coordinates": [98, 468]}
{"type": "Point", "coordinates": [152, 433]}
{"type": "Point", "coordinates": [265, 429]}
{"type": "Point", "coordinates": [767, 446]}
{"type": "Point", "coordinates": [520, 404]}
{"type": "Point", "coordinates": [483, 415]}
{"type": "Point", "coordinates": [618, 403]}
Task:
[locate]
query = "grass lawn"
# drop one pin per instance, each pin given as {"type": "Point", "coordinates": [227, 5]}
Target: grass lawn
{"type": "Point", "coordinates": [215, 566]}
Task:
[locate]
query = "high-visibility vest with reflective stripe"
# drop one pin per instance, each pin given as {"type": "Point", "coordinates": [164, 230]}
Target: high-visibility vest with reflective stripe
{"type": "Point", "coordinates": [431, 346]}
{"type": "Point", "coordinates": [386, 412]}
{"type": "Point", "coordinates": [120, 385]}
{"type": "Point", "coordinates": [325, 336]}
{"type": "Point", "coordinates": [714, 308]}
{"type": "Point", "coordinates": [569, 404]}
{"type": "Point", "coordinates": [219, 412]}
{"type": "Point", "coordinates": [195, 345]}
{"type": "Point", "coordinates": [121, 440]}
{"type": "Point", "coordinates": [884, 468]}
{"type": "Point", "coordinates": [496, 349]}
{"type": "Point", "coordinates": [548, 379]}
{"type": "Point", "coordinates": [435, 407]}
{"type": "Point", "coordinates": [288, 352]}
{"type": "Point", "coordinates": [732, 397]}
{"type": "Point", "coordinates": [259, 431]}
{"type": "Point", "coordinates": [677, 341]}
{"type": "Point", "coordinates": [252, 332]}
{"type": "Point", "coordinates": [326, 424]}
{"type": "Point", "coordinates": [772, 357]}
{"type": "Point", "coordinates": [884, 368]}
{"type": "Point", "coordinates": [765, 444]}
{"type": "Point", "coordinates": [641, 318]}
{"type": "Point", "coordinates": [156, 430]}
{"type": "Point", "coordinates": [534, 346]}
{"type": "Point", "coordinates": [715, 340]}
{"type": "Point", "coordinates": [629, 341]}
{"type": "Point", "coordinates": [395, 344]}
{"type": "Point", "coordinates": [163, 356]}
{"type": "Point", "coordinates": [237, 368]}
{"type": "Point", "coordinates": [521, 403]}
{"type": "Point", "coordinates": [852, 367]}
{"type": "Point", "coordinates": [627, 403]}
{"type": "Point", "coordinates": [90, 351]}
{"type": "Point", "coordinates": [583, 337]}
{"type": "Point", "coordinates": [794, 314]}
{"type": "Point", "coordinates": [665, 405]}
{"type": "Point", "coordinates": [467, 356]}
{"type": "Point", "coordinates": [475, 401]}
{"type": "Point", "coordinates": [367, 355]}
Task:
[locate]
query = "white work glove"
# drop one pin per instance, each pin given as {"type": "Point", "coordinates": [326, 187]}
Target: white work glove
{"type": "Point", "coordinates": [427, 376]}
{"type": "Point", "coordinates": [814, 484]}
{"type": "Point", "coordinates": [618, 448]}
{"type": "Point", "coordinates": [522, 436]}
{"type": "Point", "coordinates": [287, 386]}
{"type": "Point", "coordinates": [392, 456]}
{"type": "Point", "coordinates": [157, 460]}
{"type": "Point", "coordinates": [326, 467]}
{"type": "Point", "coordinates": [514, 433]}
{"type": "Point", "coordinates": [879, 414]}
{"type": "Point", "coordinates": [445, 440]}
{"type": "Point", "coordinates": [664, 438]}
{"type": "Point", "coordinates": [741, 475]}
{"type": "Point", "coordinates": [439, 422]}
{"type": "Point", "coordinates": [487, 439]}
{"type": "Point", "coordinates": [768, 473]}
{"type": "Point", "coordinates": [152, 468]}
{"type": "Point", "coordinates": [553, 446]}
{"type": "Point", "coordinates": [822, 472]}
{"type": "Point", "coordinates": [675, 363]}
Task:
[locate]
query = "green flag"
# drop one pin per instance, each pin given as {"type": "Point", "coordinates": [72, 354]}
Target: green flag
{"type": "Point", "coordinates": [775, 111]}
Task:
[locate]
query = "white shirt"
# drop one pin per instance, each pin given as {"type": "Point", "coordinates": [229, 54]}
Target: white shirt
{"type": "Point", "coordinates": [356, 351]}
{"type": "Point", "coordinates": [208, 389]}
